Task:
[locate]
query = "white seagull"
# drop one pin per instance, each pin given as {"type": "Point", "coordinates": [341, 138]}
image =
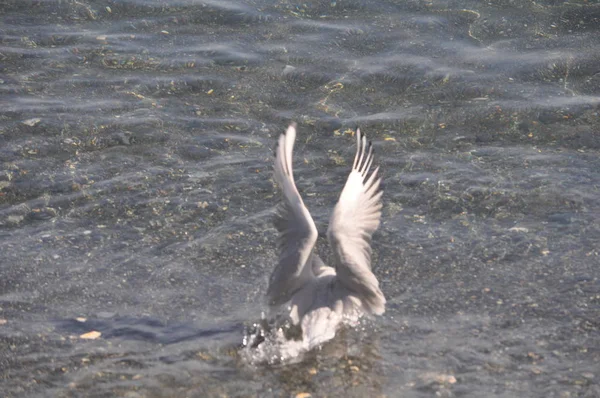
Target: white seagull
{"type": "Point", "coordinates": [320, 298]}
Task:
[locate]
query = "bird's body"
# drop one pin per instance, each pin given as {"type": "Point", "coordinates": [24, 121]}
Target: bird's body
{"type": "Point", "coordinates": [321, 297]}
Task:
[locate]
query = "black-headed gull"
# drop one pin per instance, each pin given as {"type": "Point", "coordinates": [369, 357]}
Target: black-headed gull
{"type": "Point", "coordinates": [321, 297]}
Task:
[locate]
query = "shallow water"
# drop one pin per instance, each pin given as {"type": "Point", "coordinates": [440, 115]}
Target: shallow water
{"type": "Point", "coordinates": [136, 196]}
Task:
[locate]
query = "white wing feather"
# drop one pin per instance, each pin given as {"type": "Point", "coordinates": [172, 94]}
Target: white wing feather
{"type": "Point", "coordinates": [355, 218]}
{"type": "Point", "coordinates": [297, 231]}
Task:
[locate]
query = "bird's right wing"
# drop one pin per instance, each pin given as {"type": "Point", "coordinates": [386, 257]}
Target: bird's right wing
{"type": "Point", "coordinates": [297, 231]}
{"type": "Point", "coordinates": [355, 217]}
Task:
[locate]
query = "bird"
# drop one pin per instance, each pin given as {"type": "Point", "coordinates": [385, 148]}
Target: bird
{"type": "Point", "coordinates": [321, 298]}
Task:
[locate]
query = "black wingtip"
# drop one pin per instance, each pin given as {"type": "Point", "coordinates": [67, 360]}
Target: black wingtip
{"type": "Point", "coordinates": [292, 124]}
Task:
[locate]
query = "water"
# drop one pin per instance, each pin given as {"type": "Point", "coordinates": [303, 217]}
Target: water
{"type": "Point", "coordinates": [136, 197]}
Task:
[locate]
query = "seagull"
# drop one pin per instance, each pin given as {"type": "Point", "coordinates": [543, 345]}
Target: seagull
{"type": "Point", "coordinates": [321, 298]}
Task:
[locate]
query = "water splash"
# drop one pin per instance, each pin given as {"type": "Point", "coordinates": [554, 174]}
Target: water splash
{"type": "Point", "coordinates": [278, 341]}
{"type": "Point", "coordinates": [274, 341]}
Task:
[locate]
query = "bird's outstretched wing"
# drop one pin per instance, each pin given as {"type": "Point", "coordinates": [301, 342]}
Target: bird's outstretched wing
{"type": "Point", "coordinates": [297, 231]}
{"type": "Point", "coordinates": [355, 217]}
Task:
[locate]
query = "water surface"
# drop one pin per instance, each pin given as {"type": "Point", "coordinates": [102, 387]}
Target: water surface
{"type": "Point", "coordinates": [136, 196]}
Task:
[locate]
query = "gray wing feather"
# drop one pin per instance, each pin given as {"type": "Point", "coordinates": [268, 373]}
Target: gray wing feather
{"type": "Point", "coordinates": [297, 231]}
{"type": "Point", "coordinates": [355, 218]}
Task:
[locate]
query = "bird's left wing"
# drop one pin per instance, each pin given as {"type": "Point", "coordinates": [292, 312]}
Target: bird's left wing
{"type": "Point", "coordinates": [297, 231]}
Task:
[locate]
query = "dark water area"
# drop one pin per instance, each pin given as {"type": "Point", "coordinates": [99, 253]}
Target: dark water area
{"type": "Point", "coordinates": [136, 196]}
